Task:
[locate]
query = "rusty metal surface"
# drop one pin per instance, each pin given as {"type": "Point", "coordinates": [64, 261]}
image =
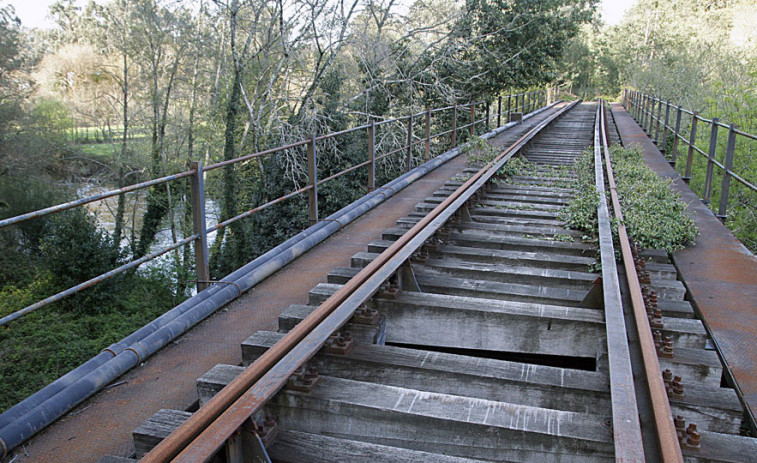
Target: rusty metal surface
{"type": "Point", "coordinates": [718, 271]}
{"type": "Point", "coordinates": [670, 450]}
{"type": "Point", "coordinates": [103, 424]}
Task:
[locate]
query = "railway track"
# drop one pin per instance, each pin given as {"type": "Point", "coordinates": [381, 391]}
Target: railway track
{"type": "Point", "coordinates": [475, 330]}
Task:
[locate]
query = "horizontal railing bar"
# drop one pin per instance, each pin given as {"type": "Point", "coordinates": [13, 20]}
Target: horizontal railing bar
{"type": "Point", "coordinates": [95, 280]}
{"type": "Point", "coordinates": [341, 132]}
{"type": "Point", "coordinates": [743, 181]}
{"type": "Point", "coordinates": [259, 208]}
{"type": "Point", "coordinates": [388, 121]}
{"type": "Point", "coordinates": [91, 199]}
{"type": "Point", "coordinates": [436, 110]}
{"type": "Point", "coordinates": [345, 171]}
{"type": "Point", "coordinates": [255, 155]}
{"type": "Point", "coordinates": [401, 148]}
{"type": "Point", "coordinates": [745, 134]}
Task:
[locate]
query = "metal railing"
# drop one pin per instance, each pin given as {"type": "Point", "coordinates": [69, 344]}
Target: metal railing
{"type": "Point", "coordinates": [678, 125]}
{"type": "Point", "coordinates": [523, 102]}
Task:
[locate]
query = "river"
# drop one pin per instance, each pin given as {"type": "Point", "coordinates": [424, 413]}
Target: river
{"type": "Point", "coordinates": [136, 204]}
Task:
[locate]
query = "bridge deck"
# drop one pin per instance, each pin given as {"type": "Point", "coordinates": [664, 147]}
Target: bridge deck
{"type": "Point", "coordinates": [103, 424]}
{"type": "Point", "coordinates": [719, 272]}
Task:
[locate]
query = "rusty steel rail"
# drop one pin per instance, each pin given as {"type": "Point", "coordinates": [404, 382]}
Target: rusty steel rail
{"type": "Point", "coordinates": [208, 429]}
{"type": "Point", "coordinates": [670, 450]}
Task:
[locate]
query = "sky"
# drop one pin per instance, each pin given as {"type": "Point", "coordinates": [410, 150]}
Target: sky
{"type": "Point", "coordinates": [33, 13]}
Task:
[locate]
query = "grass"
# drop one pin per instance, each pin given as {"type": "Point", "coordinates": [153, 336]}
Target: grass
{"type": "Point", "coordinates": [97, 149]}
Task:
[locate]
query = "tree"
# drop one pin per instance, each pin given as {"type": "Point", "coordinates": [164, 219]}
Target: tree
{"type": "Point", "coordinates": [524, 38]}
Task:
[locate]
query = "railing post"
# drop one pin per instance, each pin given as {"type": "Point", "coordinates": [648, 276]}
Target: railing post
{"type": "Point", "coordinates": [665, 128]}
{"type": "Point", "coordinates": [509, 104]}
{"type": "Point", "coordinates": [410, 143]}
{"type": "Point", "coordinates": [710, 158]}
{"type": "Point", "coordinates": [692, 144]}
{"type": "Point", "coordinates": [632, 103]}
{"type": "Point", "coordinates": [676, 134]}
{"type": "Point", "coordinates": [651, 116]}
{"type": "Point", "coordinates": [454, 125]}
{"type": "Point", "coordinates": [725, 187]}
{"type": "Point", "coordinates": [657, 123]}
{"type": "Point", "coordinates": [635, 105]}
{"type": "Point", "coordinates": [312, 181]}
{"type": "Point", "coordinates": [197, 192]}
{"type": "Point", "coordinates": [428, 134]}
{"type": "Point", "coordinates": [372, 156]}
{"type": "Point", "coordinates": [487, 116]}
{"type": "Point", "coordinates": [645, 119]}
{"type": "Point", "coordinates": [472, 119]}
{"type": "Point", "coordinates": [499, 111]}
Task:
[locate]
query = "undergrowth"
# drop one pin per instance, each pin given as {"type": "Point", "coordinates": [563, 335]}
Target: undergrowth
{"type": "Point", "coordinates": [654, 216]}
{"type": "Point", "coordinates": [479, 152]}
{"type": "Point", "coordinates": [581, 212]}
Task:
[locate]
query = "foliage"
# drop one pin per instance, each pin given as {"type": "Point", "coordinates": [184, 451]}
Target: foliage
{"type": "Point", "coordinates": [479, 152]}
{"type": "Point", "coordinates": [654, 215]}
{"type": "Point", "coordinates": [516, 165]}
{"type": "Point", "coordinates": [525, 38]}
{"type": "Point", "coordinates": [581, 211]}
{"type": "Point", "coordinates": [74, 250]}
{"type": "Point", "coordinates": [46, 344]}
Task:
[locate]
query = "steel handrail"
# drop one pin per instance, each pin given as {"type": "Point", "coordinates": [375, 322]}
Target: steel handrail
{"type": "Point", "coordinates": [100, 278]}
{"type": "Point", "coordinates": [91, 199]}
{"type": "Point", "coordinates": [679, 136]}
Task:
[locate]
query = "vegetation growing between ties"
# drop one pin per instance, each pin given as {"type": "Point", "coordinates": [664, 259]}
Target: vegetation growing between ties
{"type": "Point", "coordinates": [655, 217]}
{"type": "Point", "coordinates": [581, 212]}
